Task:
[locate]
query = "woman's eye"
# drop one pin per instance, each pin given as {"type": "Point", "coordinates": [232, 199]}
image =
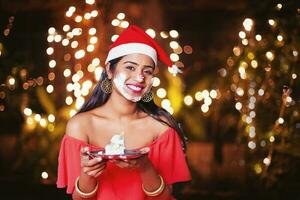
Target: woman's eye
{"type": "Point", "coordinates": [149, 72]}
{"type": "Point", "coordinates": [130, 67]}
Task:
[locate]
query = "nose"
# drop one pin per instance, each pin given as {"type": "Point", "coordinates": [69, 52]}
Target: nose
{"type": "Point", "coordinates": [139, 77]}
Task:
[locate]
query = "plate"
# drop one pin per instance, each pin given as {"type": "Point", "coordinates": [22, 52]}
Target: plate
{"type": "Point", "coordinates": [129, 154]}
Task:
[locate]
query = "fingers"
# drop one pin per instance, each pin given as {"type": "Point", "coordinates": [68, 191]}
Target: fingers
{"type": "Point", "coordinates": [91, 171]}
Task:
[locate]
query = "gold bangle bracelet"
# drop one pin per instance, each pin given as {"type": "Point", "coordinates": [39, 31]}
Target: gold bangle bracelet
{"type": "Point", "coordinates": [158, 191]}
{"type": "Point", "coordinates": [83, 194]}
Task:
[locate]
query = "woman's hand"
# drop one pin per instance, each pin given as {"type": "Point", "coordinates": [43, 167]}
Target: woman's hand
{"type": "Point", "coordinates": [91, 167]}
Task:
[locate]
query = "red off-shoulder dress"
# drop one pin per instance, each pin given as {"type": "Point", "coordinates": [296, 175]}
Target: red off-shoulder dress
{"type": "Point", "coordinates": [117, 183]}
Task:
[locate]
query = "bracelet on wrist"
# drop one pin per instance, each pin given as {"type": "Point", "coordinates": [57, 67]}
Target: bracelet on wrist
{"type": "Point", "coordinates": [158, 191]}
{"type": "Point", "coordinates": [84, 194]}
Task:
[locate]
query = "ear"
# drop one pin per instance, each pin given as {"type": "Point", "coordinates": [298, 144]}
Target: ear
{"type": "Point", "coordinates": [108, 71]}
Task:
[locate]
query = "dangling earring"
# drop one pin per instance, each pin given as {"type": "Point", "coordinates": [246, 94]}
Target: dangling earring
{"type": "Point", "coordinates": [106, 86]}
{"type": "Point", "coordinates": [147, 97]}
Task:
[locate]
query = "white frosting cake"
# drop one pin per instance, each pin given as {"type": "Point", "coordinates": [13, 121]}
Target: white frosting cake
{"type": "Point", "coordinates": [116, 145]}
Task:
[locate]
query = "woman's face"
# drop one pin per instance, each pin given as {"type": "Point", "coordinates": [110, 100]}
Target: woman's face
{"type": "Point", "coordinates": [133, 76]}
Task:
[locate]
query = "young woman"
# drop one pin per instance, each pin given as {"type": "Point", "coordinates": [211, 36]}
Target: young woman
{"type": "Point", "coordinates": [122, 102]}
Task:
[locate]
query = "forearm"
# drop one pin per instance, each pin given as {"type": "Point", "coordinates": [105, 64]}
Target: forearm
{"type": "Point", "coordinates": [151, 182]}
{"type": "Point", "coordinates": [86, 184]}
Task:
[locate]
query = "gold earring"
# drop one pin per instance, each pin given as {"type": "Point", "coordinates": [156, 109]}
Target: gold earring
{"type": "Point", "coordinates": [147, 97]}
{"type": "Point", "coordinates": [106, 86]}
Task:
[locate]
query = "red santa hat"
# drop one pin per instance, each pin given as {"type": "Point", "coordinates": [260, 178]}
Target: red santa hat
{"type": "Point", "coordinates": [135, 40]}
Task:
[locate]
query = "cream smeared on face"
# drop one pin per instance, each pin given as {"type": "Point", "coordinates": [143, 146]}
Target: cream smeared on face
{"type": "Point", "coordinates": [130, 92]}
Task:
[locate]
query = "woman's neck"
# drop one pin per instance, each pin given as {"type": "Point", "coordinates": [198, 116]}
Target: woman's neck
{"type": "Point", "coordinates": [121, 108]}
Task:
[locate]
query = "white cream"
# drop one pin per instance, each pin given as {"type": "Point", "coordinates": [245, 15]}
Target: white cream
{"type": "Point", "coordinates": [116, 145]}
{"type": "Point", "coordinates": [119, 81]}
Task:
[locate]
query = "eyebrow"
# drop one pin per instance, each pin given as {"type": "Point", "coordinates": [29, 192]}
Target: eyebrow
{"type": "Point", "coordinates": [134, 63]}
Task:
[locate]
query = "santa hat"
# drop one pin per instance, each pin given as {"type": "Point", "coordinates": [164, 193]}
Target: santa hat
{"type": "Point", "coordinates": [135, 40]}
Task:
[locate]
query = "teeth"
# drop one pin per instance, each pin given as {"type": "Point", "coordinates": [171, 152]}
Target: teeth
{"type": "Point", "coordinates": [135, 88]}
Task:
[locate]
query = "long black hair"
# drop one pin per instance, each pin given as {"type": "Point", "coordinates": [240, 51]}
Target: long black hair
{"type": "Point", "coordinates": [98, 98]}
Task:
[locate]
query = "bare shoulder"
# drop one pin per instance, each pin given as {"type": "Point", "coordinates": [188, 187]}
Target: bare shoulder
{"type": "Point", "coordinates": [76, 126]}
{"type": "Point", "coordinates": [159, 127]}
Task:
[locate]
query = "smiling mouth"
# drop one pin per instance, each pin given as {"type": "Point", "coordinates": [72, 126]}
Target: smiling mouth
{"type": "Point", "coordinates": [135, 88]}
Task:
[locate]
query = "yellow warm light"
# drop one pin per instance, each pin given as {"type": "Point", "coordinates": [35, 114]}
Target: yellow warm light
{"type": "Point", "coordinates": [87, 84]}
{"type": "Point", "coordinates": [213, 94]}
{"type": "Point", "coordinates": [151, 32]}
{"type": "Point", "coordinates": [67, 72]}
{"type": "Point", "coordinates": [69, 14]}
{"type": "Point", "coordinates": [204, 108]}
{"type": "Point", "coordinates": [272, 139]}
{"type": "Point", "coordinates": [115, 22]}
{"type": "Point", "coordinates": [257, 168]}
{"type": "Point", "coordinates": [165, 103]}
{"type": "Point", "coordinates": [75, 78]}
{"type": "Point", "coordinates": [96, 61]}
{"type": "Point", "coordinates": [72, 112]}
{"type": "Point", "coordinates": [90, 2]}
{"type": "Point", "coordinates": [258, 37]}
{"type": "Point", "coordinates": [77, 31]}
{"type": "Point", "coordinates": [90, 48]}
{"type": "Point", "coordinates": [238, 106]}
{"type": "Point", "coordinates": [50, 88]}
{"type": "Point", "coordinates": [52, 63]}
{"type": "Point", "coordinates": [43, 122]}
{"type": "Point", "coordinates": [164, 34]}
{"type": "Point", "coordinates": [74, 44]}
{"type": "Point", "coordinates": [79, 102]}
{"type": "Point", "coordinates": [245, 42]}
{"type": "Point", "coordinates": [91, 68]}
{"type": "Point", "coordinates": [27, 111]}
{"type": "Point", "coordinates": [174, 57]}
{"type": "Point", "coordinates": [70, 87]}
{"type": "Point", "coordinates": [92, 31]}
{"type": "Point", "coordinates": [174, 44]}
{"type": "Point", "coordinates": [174, 33]}
{"type": "Point", "coordinates": [188, 100]}
{"type": "Point", "coordinates": [50, 50]}
{"type": "Point", "coordinates": [93, 40]}
{"type": "Point", "coordinates": [87, 16]}
{"type": "Point", "coordinates": [37, 117]}
{"type": "Point", "coordinates": [98, 72]}
{"type": "Point", "coordinates": [70, 35]}
{"type": "Point", "coordinates": [161, 93]}
{"type": "Point", "coordinates": [72, 9]}
{"type": "Point", "coordinates": [11, 81]}
{"type": "Point", "coordinates": [51, 30]}
{"type": "Point", "coordinates": [208, 101]}
{"type": "Point", "coordinates": [242, 34]}
{"type": "Point", "coordinates": [78, 18]}
{"type": "Point", "coordinates": [114, 37]}
{"type": "Point", "coordinates": [124, 24]}
{"type": "Point", "coordinates": [156, 82]}
{"type": "Point", "coordinates": [280, 38]}
{"type": "Point", "coordinates": [66, 28]}
{"type": "Point", "coordinates": [205, 93]}
{"type": "Point", "coordinates": [270, 55]}
{"type": "Point", "coordinates": [79, 54]}
{"type": "Point", "coordinates": [57, 38]}
{"type": "Point", "coordinates": [94, 13]}
{"type": "Point", "coordinates": [254, 64]}
{"type": "Point", "coordinates": [199, 96]}
{"type": "Point", "coordinates": [50, 38]}
{"type": "Point", "coordinates": [121, 16]}
{"type": "Point", "coordinates": [240, 91]}
{"type": "Point", "coordinates": [248, 23]}
{"type": "Point", "coordinates": [29, 121]}
{"type": "Point", "coordinates": [69, 100]}
{"type": "Point", "coordinates": [272, 22]}
{"type": "Point", "coordinates": [44, 175]}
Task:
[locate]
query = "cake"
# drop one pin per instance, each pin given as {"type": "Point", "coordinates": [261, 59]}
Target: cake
{"type": "Point", "coordinates": [116, 145]}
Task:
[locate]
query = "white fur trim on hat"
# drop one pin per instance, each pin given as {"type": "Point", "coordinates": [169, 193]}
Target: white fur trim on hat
{"type": "Point", "coordinates": [129, 48]}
